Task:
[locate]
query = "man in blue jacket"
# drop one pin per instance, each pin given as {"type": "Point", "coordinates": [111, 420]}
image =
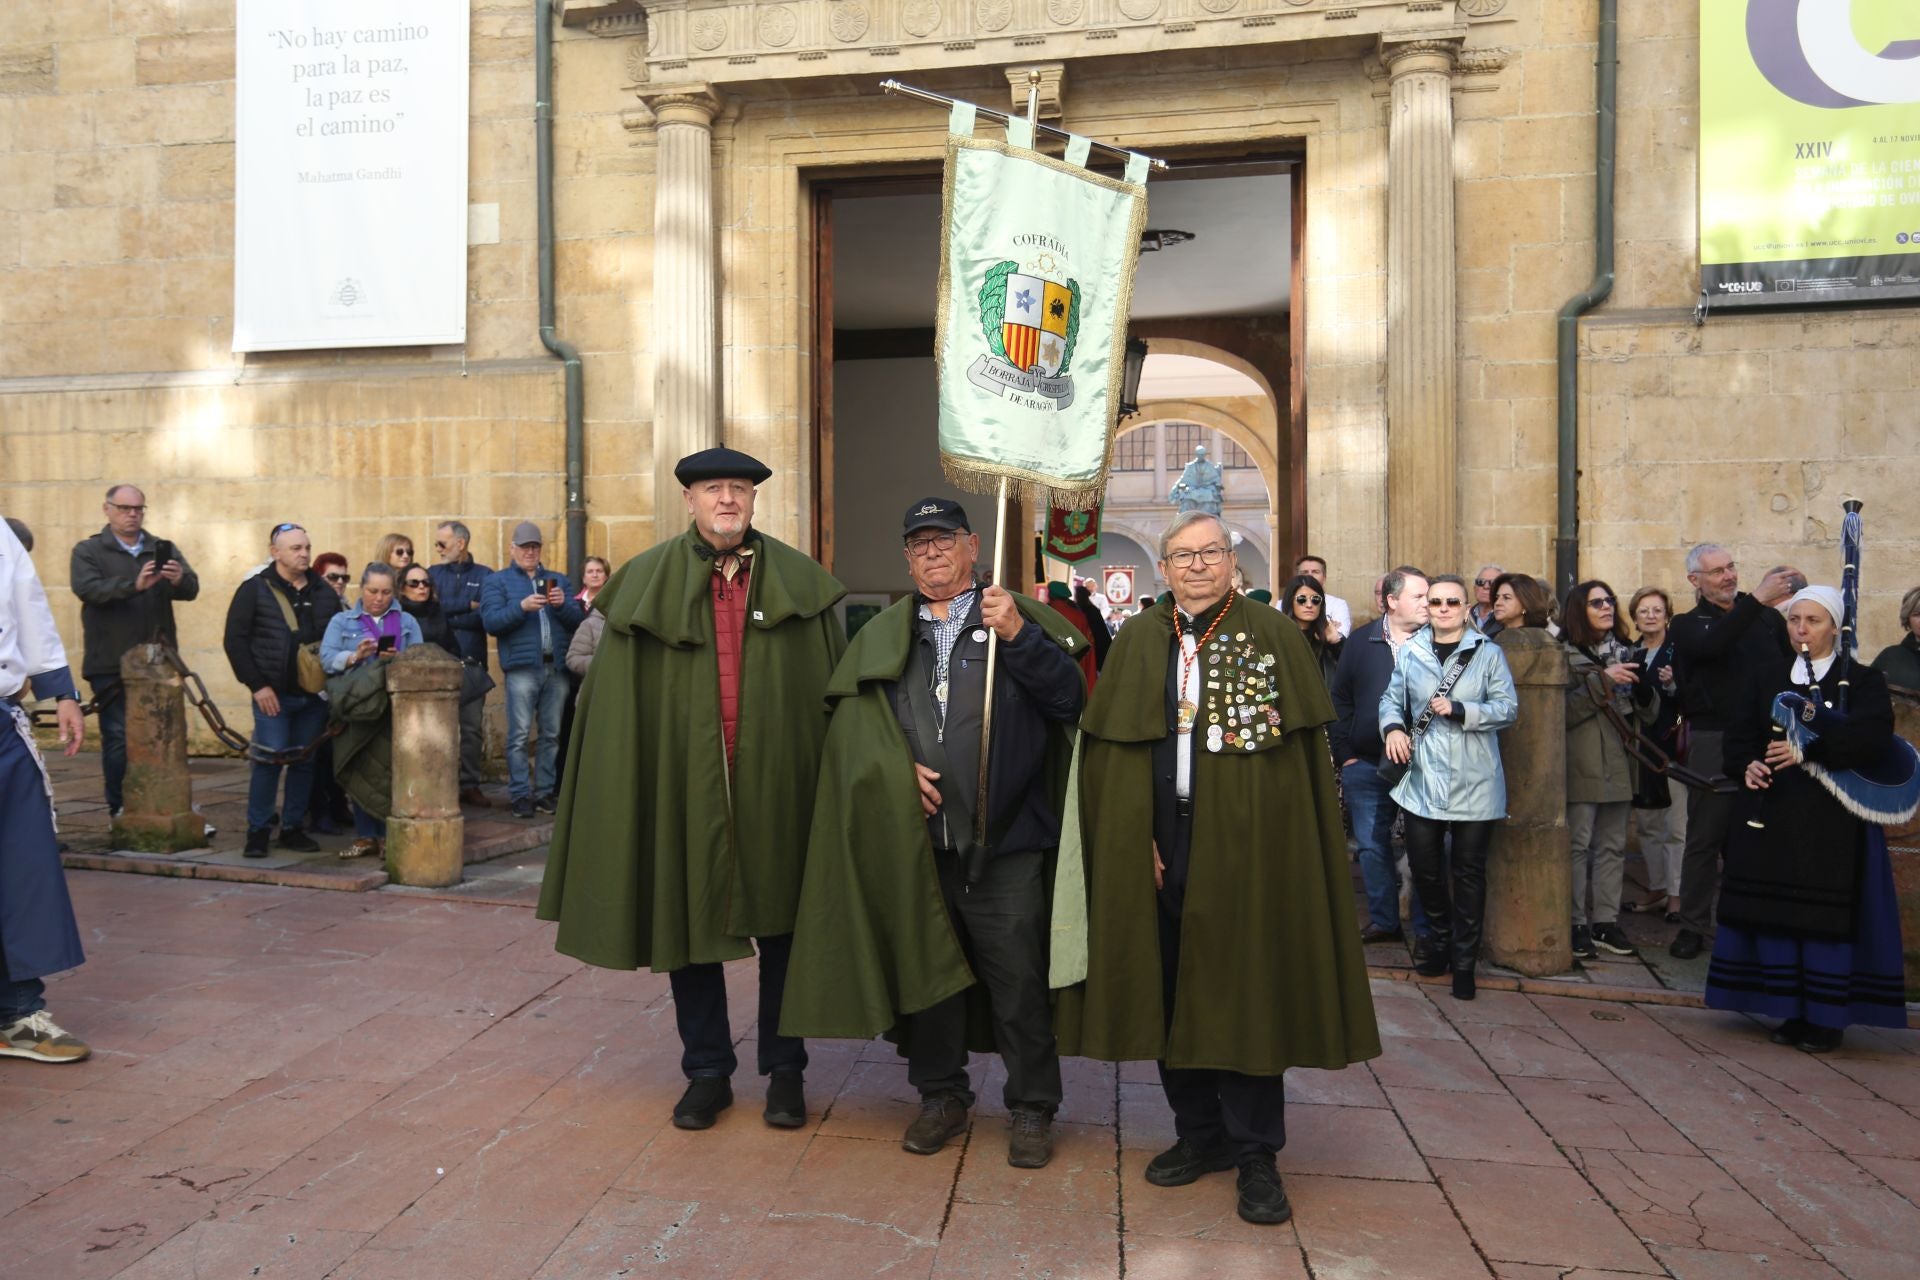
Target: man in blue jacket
{"type": "Point", "coordinates": [531, 611]}
{"type": "Point", "coordinates": [457, 581]}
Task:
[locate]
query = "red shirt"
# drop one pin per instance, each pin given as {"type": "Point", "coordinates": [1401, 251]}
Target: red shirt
{"type": "Point", "coordinates": [729, 640]}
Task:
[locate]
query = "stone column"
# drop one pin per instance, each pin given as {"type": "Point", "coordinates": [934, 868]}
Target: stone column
{"type": "Point", "coordinates": [158, 814]}
{"type": "Point", "coordinates": [685, 339]}
{"type": "Point", "coordinates": [426, 836]}
{"type": "Point", "coordinates": [1422, 473]}
{"type": "Point", "coordinates": [1530, 872]}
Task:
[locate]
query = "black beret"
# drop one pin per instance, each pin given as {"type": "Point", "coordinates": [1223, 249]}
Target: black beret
{"type": "Point", "coordinates": [720, 463]}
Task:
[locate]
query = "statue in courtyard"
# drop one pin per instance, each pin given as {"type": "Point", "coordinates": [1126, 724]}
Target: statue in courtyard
{"type": "Point", "coordinates": [1198, 488]}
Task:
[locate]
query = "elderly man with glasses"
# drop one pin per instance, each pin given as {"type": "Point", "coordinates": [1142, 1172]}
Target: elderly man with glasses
{"type": "Point", "coordinates": [127, 579]}
{"type": "Point", "coordinates": [274, 613]}
{"type": "Point", "coordinates": [1481, 615]}
{"type": "Point", "coordinates": [1207, 801]}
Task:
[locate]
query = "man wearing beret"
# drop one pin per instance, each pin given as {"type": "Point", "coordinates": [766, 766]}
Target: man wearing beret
{"type": "Point", "coordinates": [906, 920]}
{"type": "Point", "coordinates": [689, 786]}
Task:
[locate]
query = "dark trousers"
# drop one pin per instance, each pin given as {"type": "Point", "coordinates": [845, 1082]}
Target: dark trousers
{"type": "Point", "coordinates": [1210, 1108]}
{"type": "Point", "coordinates": [1453, 890]}
{"type": "Point", "coordinates": [113, 737]}
{"type": "Point", "coordinates": [700, 1009]}
{"type": "Point", "coordinates": [1002, 925]}
{"type": "Point", "coordinates": [472, 739]}
{"type": "Point", "coordinates": [1709, 817]}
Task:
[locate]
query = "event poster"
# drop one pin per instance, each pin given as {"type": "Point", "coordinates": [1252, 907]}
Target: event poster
{"type": "Point", "coordinates": [1809, 151]}
{"type": "Point", "coordinates": [350, 205]}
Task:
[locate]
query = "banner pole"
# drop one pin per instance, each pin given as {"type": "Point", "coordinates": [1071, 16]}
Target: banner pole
{"type": "Point", "coordinates": [999, 580]}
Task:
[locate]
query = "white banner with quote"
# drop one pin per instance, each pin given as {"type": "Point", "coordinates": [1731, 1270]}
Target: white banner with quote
{"type": "Point", "coordinates": [350, 174]}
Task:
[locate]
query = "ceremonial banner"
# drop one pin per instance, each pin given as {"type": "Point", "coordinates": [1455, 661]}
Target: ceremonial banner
{"type": "Point", "coordinates": [1809, 151]}
{"type": "Point", "coordinates": [1037, 258]}
{"type": "Point", "coordinates": [350, 173]}
{"type": "Point", "coordinates": [1073, 534]}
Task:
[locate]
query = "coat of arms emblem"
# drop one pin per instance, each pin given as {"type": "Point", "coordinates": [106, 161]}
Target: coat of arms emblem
{"type": "Point", "coordinates": [1030, 322]}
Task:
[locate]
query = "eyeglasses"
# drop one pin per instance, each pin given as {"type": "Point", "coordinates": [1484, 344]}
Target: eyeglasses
{"type": "Point", "coordinates": [442, 546]}
{"type": "Point", "coordinates": [340, 578]}
{"type": "Point", "coordinates": [935, 542]}
{"type": "Point", "coordinates": [128, 510]}
{"type": "Point", "coordinates": [283, 528]}
{"type": "Point", "coordinates": [1206, 555]}
{"type": "Point", "coordinates": [1307, 600]}
{"type": "Point", "coordinates": [1601, 602]}
{"type": "Point", "coordinates": [1444, 602]}
{"type": "Point", "coordinates": [421, 583]}
{"type": "Point", "coordinates": [1484, 583]}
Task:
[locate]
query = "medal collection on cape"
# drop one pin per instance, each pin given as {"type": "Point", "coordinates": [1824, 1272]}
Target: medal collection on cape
{"type": "Point", "coordinates": [1190, 707]}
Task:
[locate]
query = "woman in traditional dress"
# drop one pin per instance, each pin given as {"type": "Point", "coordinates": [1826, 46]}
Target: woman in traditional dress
{"type": "Point", "coordinates": [1809, 924]}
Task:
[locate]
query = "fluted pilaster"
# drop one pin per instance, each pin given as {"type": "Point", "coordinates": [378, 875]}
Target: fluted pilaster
{"type": "Point", "coordinates": [1422, 472]}
{"type": "Point", "coordinates": [685, 341]}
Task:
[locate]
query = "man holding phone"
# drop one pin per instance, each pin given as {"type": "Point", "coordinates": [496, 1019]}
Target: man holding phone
{"type": "Point", "coordinates": [531, 611]}
{"type": "Point", "coordinates": [127, 580]}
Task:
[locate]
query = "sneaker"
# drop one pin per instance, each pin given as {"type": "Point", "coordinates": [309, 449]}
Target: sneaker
{"type": "Point", "coordinates": [1611, 938]}
{"type": "Point", "coordinates": [257, 838]}
{"type": "Point", "coordinates": [39, 1037]}
{"type": "Point", "coordinates": [939, 1119]}
{"type": "Point", "coordinates": [548, 803]}
{"type": "Point", "coordinates": [1030, 1139]}
{"type": "Point", "coordinates": [522, 808]}
{"type": "Point", "coordinates": [1685, 945]}
{"type": "Point", "coordinates": [786, 1100]}
{"type": "Point", "coordinates": [706, 1097]}
{"type": "Point", "coordinates": [298, 841]}
{"type": "Point", "coordinates": [1583, 943]}
{"type": "Point", "coordinates": [1263, 1201]}
{"type": "Point", "coordinates": [1184, 1162]}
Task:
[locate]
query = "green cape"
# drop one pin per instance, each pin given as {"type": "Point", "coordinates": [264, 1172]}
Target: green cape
{"type": "Point", "coordinates": [357, 701]}
{"type": "Point", "coordinates": [873, 939]}
{"type": "Point", "coordinates": [658, 857]}
{"type": "Point", "coordinates": [1271, 971]}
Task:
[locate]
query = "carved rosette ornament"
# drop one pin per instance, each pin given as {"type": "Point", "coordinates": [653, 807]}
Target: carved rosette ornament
{"type": "Point", "coordinates": [1139, 10]}
{"type": "Point", "coordinates": [1298, 3]}
{"type": "Point", "coordinates": [777, 25]}
{"type": "Point", "coordinates": [993, 15]}
{"type": "Point", "coordinates": [707, 30]}
{"type": "Point", "coordinates": [1065, 12]}
{"type": "Point", "coordinates": [636, 63]}
{"type": "Point", "coordinates": [848, 21]}
{"type": "Point", "coordinates": [1218, 6]}
{"type": "Point", "coordinates": [921, 17]}
{"type": "Point", "coordinates": [1482, 8]}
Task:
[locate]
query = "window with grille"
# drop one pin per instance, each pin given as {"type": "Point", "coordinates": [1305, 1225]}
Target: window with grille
{"type": "Point", "coordinates": [1182, 437]}
{"type": "Point", "coordinates": [1233, 457]}
{"type": "Point", "coordinates": [1134, 451]}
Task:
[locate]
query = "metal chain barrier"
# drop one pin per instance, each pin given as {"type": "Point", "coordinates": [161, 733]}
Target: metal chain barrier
{"type": "Point", "coordinates": [199, 699]}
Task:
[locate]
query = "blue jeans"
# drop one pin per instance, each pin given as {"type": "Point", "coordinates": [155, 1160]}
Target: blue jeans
{"type": "Point", "coordinates": [1372, 811]}
{"type": "Point", "coordinates": [533, 692]}
{"type": "Point", "coordinates": [366, 826]}
{"type": "Point", "coordinates": [302, 717]}
{"type": "Point", "coordinates": [113, 738]}
{"type": "Point", "coordinates": [18, 999]}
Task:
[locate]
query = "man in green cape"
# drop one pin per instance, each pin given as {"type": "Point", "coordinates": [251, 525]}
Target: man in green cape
{"type": "Point", "coordinates": [1220, 914]}
{"type": "Point", "coordinates": [902, 908]}
{"type": "Point", "coordinates": [690, 778]}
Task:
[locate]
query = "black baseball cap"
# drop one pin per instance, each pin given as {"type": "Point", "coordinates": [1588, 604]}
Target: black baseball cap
{"type": "Point", "coordinates": [935, 513]}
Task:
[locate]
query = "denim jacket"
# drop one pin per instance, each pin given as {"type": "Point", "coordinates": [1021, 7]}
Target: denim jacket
{"type": "Point", "coordinates": [1456, 774]}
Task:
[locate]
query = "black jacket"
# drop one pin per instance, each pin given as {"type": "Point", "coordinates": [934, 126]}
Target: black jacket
{"type": "Point", "coordinates": [1034, 682]}
{"type": "Point", "coordinates": [1366, 665]}
{"type": "Point", "coordinates": [1719, 650]}
{"type": "Point", "coordinates": [258, 646]}
{"type": "Point", "coordinates": [113, 616]}
{"type": "Point", "coordinates": [433, 624]}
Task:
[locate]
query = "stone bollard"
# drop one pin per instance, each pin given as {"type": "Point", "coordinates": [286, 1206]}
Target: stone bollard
{"type": "Point", "coordinates": [1530, 872]}
{"type": "Point", "coordinates": [426, 836]}
{"type": "Point", "coordinates": [1903, 845]}
{"type": "Point", "coordinates": [158, 815]}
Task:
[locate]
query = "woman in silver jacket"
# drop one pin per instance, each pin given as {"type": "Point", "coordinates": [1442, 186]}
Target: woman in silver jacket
{"type": "Point", "coordinates": [1454, 786]}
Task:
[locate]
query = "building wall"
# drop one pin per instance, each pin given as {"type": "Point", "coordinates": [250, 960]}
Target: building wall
{"type": "Point", "coordinates": [116, 192]}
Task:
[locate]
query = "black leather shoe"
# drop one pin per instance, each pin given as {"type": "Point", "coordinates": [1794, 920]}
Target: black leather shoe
{"type": "Point", "coordinates": [1789, 1032]}
{"type": "Point", "coordinates": [257, 838]}
{"type": "Point", "coordinates": [1374, 933]}
{"type": "Point", "coordinates": [1029, 1138]}
{"type": "Point", "coordinates": [1263, 1201]}
{"type": "Point", "coordinates": [1820, 1039]}
{"type": "Point", "coordinates": [1463, 987]}
{"type": "Point", "coordinates": [298, 841]}
{"type": "Point", "coordinates": [706, 1097]}
{"type": "Point", "coordinates": [939, 1119]}
{"type": "Point", "coordinates": [1184, 1162]}
{"type": "Point", "coordinates": [786, 1100]}
{"type": "Point", "coordinates": [1685, 945]}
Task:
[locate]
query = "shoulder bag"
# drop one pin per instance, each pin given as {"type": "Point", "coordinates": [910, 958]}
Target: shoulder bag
{"type": "Point", "coordinates": [307, 671]}
{"type": "Point", "coordinates": [1391, 773]}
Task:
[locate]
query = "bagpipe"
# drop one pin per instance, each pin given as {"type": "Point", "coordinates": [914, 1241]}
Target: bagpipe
{"type": "Point", "coordinates": [1887, 791]}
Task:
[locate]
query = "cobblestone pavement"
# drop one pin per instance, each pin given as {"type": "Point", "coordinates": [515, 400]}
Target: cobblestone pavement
{"type": "Point", "coordinates": [294, 1082]}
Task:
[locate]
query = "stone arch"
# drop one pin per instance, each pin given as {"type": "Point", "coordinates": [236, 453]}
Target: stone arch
{"type": "Point", "coordinates": [1260, 446]}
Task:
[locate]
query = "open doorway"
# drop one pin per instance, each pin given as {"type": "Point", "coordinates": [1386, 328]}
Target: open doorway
{"type": "Point", "coordinates": [1216, 305]}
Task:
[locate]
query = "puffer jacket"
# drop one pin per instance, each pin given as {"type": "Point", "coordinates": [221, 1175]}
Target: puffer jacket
{"type": "Point", "coordinates": [1456, 775]}
{"type": "Point", "coordinates": [1599, 771]}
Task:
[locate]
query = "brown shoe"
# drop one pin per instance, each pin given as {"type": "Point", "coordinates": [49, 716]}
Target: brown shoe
{"type": "Point", "coordinates": [361, 848]}
{"type": "Point", "coordinates": [939, 1119]}
{"type": "Point", "coordinates": [475, 797]}
{"type": "Point", "coordinates": [1029, 1139]}
{"type": "Point", "coordinates": [40, 1038]}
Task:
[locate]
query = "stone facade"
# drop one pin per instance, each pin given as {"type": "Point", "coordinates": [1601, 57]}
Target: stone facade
{"type": "Point", "coordinates": [116, 189]}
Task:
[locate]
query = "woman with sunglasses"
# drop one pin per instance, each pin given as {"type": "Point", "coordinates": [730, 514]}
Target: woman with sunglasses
{"type": "Point", "coordinates": [1305, 601]}
{"type": "Point", "coordinates": [395, 549]}
{"type": "Point", "coordinates": [1660, 820]}
{"type": "Point", "coordinates": [332, 566]}
{"type": "Point", "coordinates": [1454, 786]}
{"type": "Point", "coordinates": [1599, 771]}
{"type": "Point", "coordinates": [419, 602]}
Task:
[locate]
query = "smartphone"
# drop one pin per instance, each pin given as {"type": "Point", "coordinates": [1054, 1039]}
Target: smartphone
{"type": "Point", "coordinates": [542, 585]}
{"type": "Point", "coordinates": [386, 643]}
{"type": "Point", "coordinates": [162, 552]}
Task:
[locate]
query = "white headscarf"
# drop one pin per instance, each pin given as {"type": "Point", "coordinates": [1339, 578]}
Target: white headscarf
{"type": "Point", "coordinates": [1829, 599]}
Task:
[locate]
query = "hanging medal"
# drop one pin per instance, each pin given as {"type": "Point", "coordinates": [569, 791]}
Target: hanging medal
{"type": "Point", "coordinates": [1188, 711]}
